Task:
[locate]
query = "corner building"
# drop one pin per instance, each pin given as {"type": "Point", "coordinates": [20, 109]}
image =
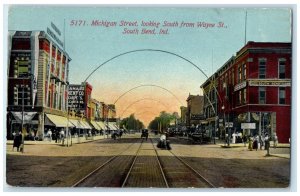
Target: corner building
{"type": "Point", "coordinates": [37, 83]}
{"type": "Point", "coordinates": [254, 91]}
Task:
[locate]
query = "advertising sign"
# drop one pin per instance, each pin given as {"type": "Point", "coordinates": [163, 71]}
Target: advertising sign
{"type": "Point", "coordinates": [76, 97]}
{"type": "Point", "coordinates": [248, 126]}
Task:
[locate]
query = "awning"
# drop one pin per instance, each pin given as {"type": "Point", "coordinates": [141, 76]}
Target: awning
{"type": "Point", "coordinates": [85, 124]}
{"type": "Point", "coordinates": [95, 125]}
{"type": "Point", "coordinates": [112, 126]}
{"type": "Point", "coordinates": [57, 121]}
{"type": "Point", "coordinates": [76, 123]}
{"type": "Point", "coordinates": [28, 116]}
{"type": "Point", "coordinates": [80, 124]}
{"type": "Point", "coordinates": [102, 125]}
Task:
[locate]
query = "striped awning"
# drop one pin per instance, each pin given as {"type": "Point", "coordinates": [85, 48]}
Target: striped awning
{"type": "Point", "coordinates": [57, 121]}
{"type": "Point", "coordinates": [101, 125]}
{"type": "Point", "coordinates": [76, 123]}
{"type": "Point", "coordinates": [95, 125]}
{"type": "Point", "coordinates": [112, 126]}
{"type": "Point", "coordinates": [80, 124]}
{"type": "Point", "coordinates": [85, 124]}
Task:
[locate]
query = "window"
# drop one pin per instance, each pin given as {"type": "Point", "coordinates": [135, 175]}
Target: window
{"type": "Point", "coordinates": [23, 93]}
{"type": "Point", "coordinates": [281, 95]}
{"type": "Point", "coordinates": [245, 96]}
{"type": "Point", "coordinates": [262, 95]}
{"type": "Point", "coordinates": [240, 97]}
{"type": "Point", "coordinates": [262, 68]}
{"type": "Point", "coordinates": [281, 68]}
{"type": "Point", "coordinates": [244, 71]}
{"type": "Point", "coordinates": [240, 73]}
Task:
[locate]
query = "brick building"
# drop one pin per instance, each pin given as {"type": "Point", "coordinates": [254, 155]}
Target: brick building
{"type": "Point", "coordinates": [194, 112]}
{"type": "Point", "coordinates": [37, 83]}
{"type": "Point", "coordinates": [254, 91]}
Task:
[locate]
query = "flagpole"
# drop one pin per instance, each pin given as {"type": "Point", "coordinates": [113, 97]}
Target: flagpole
{"type": "Point", "coordinates": [245, 28]}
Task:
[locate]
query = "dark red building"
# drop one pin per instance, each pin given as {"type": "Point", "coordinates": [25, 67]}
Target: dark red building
{"type": "Point", "coordinates": [254, 91]}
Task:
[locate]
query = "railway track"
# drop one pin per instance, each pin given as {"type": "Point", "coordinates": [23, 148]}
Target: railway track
{"type": "Point", "coordinates": [144, 167]}
{"type": "Point", "coordinates": [84, 182]}
{"type": "Point", "coordinates": [141, 170]}
{"type": "Point", "coordinates": [193, 171]}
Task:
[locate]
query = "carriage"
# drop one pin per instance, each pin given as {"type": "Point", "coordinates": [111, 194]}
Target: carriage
{"type": "Point", "coordinates": [145, 134]}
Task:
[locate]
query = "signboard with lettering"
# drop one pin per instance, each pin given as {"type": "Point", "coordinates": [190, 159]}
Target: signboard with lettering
{"type": "Point", "coordinates": [197, 117]}
{"type": "Point", "coordinates": [76, 97]}
{"type": "Point", "coordinates": [268, 82]}
{"type": "Point", "coordinates": [55, 36]}
{"type": "Point", "coordinates": [248, 125]}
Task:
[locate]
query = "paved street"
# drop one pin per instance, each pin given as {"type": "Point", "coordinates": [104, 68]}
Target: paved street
{"type": "Point", "coordinates": [58, 166]}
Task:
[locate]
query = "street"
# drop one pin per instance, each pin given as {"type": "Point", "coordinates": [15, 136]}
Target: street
{"type": "Point", "coordinates": [132, 162]}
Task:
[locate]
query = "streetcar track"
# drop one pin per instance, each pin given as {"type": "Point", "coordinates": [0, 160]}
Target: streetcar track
{"type": "Point", "coordinates": [202, 178]}
{"type": "Point", "coordinates": [101, 166]}
{"type": "Point", "coordinates": [133, 162]}
{"type": "Point", "coordinates": [160, 167]}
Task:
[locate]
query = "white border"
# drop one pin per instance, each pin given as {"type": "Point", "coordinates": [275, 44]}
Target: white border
{"type": "Point", "coordinates": [165, 3]}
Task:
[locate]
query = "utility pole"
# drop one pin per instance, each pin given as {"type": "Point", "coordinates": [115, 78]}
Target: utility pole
{"type": "Point", "coordinates": [22, 122]}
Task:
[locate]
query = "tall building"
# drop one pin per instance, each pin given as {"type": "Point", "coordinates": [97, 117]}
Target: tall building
{"type": "Point", "coordinates": [194, 110]}
{"type": "Point", "coordinates": [254, 91]}
{"type": "Point", "coordinates": [37, 83]}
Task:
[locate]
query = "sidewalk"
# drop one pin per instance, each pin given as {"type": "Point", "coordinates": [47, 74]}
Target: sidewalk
{"type": "Point", "coordinates": [74, 141]}
{"type": "Point", "coordinates": [282, 150]}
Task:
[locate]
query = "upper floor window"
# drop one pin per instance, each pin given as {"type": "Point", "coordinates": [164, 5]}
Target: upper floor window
{"type": "Point", "coordinates": [22, 95]}
{"type": "Point", "coordinates": [262, 68]}
{"type": "Point", "coordinates": [244, 96]}
{"type": "Point", "coordinates": [281, 95]}
{"type": "Point", "coordinates": [281, 68]}
{"type": "Point", "coordinates": [240, 73]}
{"type": "Point", "coordinates": [244, 67]}
{"type": "Point", "coordinates": [262, 95]}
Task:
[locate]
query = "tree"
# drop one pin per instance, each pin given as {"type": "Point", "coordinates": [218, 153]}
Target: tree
{"type": "Point", "coordinates": [162, 122]}
{"type": "Point", "coordinates": [131, 123]}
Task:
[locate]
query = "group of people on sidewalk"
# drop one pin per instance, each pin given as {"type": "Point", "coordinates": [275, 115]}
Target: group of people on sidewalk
{"type": "Point", "coordinates": [259, 142]}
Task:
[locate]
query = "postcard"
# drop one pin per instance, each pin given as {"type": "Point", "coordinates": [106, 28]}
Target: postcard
{"type": "Point", "coordinates": [161, 97]}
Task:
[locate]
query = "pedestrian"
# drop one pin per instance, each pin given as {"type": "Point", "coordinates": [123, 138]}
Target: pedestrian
{"type": "Point", "coordinates": [250, 145]}
{"type": "Point", "coordinates": [255, 143]}
{"type": "Point", "coordinates": [32, 135]}
{"type": "Point", "coordinates": [275, 141]}
{"type": "Point", "coordinates": [49, 134]}
{"type": "Point", "coordinates": [244, 140]}
{"type": "Point", "coordinates": [17, 141]}
{"type": "Point", "coordinates": [233, 137]}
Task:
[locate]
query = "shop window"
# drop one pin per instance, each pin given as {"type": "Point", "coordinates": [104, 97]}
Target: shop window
{"type": "Point", "coordinates": [281, 95]}
{"type": "Point", "coordinates": [281, 68]}
{"type": "Point", "coordinates": [262, 95]}
{"type": "Point", "coordinates": [262, 68]}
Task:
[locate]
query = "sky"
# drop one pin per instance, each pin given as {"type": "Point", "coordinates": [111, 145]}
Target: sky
{"type": "Point", "coordinates": [208, 48]}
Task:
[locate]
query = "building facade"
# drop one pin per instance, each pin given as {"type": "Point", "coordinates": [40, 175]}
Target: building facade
{"type": "Point", "coordinates": [37, 83]}
{"type": "Point", "coordinates": [194, 113]}
{"type": "Point", "coordinates": [254, 91]}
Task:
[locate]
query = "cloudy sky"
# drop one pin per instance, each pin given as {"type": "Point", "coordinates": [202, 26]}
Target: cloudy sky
{"type": "Point", "coordinates": [95, 34]}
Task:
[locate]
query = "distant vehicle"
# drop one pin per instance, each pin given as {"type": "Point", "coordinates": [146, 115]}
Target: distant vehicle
{"type": "Point", "coordinates": [200, 136]}
{"type": "Point", "coordinates": [145, 134]}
